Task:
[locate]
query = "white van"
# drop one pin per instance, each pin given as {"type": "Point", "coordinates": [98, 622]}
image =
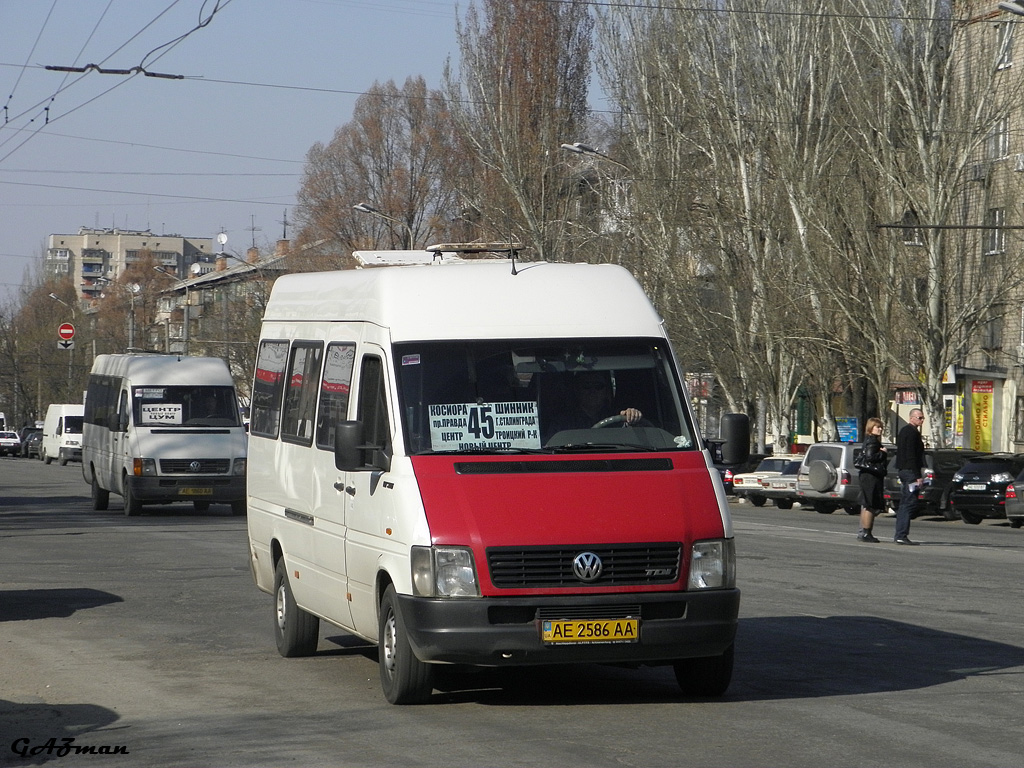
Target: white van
{"type": "Point", "coordinates": [62, 433]}
{"type": "Point", "coordinates": [163, 428]}
{"type": "Point", "coordinates": [422, 478]}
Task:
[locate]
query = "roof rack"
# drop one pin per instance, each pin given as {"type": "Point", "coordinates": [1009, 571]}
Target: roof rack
{"type": "Point", "coordinates": [477, 247]}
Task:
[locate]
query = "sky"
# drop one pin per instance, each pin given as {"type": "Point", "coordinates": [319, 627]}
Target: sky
{"type": "Point", "coordinates": [221, 150]}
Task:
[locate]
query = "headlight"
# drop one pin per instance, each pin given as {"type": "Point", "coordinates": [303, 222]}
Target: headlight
{"type": "Point", "coordinates": [713, 565]}
{"type": "Point", "coordinates": [239, 468]}
{"type": "Point", "coordinates": [443, 572]}
{"type": "Point", "coordinates": [144, 467]}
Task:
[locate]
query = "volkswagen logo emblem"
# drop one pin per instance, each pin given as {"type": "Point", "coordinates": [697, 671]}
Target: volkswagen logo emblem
{"type": "Point", "coordinates": [195, 466]}
{"type": "Point", "coordinates": [587, 566]}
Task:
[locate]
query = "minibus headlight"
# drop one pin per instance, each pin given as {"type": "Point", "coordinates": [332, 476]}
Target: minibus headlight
{"type": "Point", "coordinates": [443, 572]}
{"type": "Point", "coordinates": [144, 467]}
{"type": "Point", "coordinates": [239, 469]}
{"type": "Point", "coordinates": [713, 565]}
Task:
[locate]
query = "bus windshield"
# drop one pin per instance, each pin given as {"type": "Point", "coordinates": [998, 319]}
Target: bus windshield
{"type": "Point", "coordinates": [155, 406]}
{"type": "Point", "coordinates": [541, 395]}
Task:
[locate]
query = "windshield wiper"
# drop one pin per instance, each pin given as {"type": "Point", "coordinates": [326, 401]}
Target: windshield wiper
{"type": "Point", "coordinates": [599, 447]}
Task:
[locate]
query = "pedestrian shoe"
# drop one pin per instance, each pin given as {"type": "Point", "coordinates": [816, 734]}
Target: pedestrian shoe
{"type": "Point", "coordinates": [865, 536]}
{"type": "Point", "coordinates": [906, 542]}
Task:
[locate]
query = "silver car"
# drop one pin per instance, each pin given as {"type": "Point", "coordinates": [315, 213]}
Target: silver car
{"type": "Point", "coordinates": [827, 479]}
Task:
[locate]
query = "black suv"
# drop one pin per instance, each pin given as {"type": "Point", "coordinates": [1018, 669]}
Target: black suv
{"type": "Point", "coordinates": [978, 489]}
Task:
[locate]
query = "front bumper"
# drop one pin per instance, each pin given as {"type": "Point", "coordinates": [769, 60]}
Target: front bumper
{"type": "Point", "coordinates": [506, 631]}
{"type": "Point", "coordinates": [216, 489]}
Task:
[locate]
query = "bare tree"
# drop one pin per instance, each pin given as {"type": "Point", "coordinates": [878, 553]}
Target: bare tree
{"type": "Point", "coordinates": [395, 156]}
{"type": "Point", "coordinates": [524, 72]}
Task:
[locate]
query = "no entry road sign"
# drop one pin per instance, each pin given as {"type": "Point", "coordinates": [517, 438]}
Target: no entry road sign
{"type": "Point", "coordinates": [66, 331]}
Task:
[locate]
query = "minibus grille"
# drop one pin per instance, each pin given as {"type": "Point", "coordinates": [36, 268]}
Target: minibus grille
{"type": "Point", "coordinates": [195, 466]}
{"type": "Point", "coordinates": [621, 565]}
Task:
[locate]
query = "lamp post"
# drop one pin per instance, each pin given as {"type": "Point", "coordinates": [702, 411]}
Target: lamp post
{"type": "Point", "coordinates": [1012, 6]}
{"type": "Point", "coordinates": [367, 208]}
{"type": "Point", "coordinates": [185, 310]}
{"type": "Point", "coordinates": [579, 148]}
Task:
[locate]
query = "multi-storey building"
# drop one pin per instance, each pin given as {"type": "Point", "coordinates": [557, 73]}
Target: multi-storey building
{"type": "Point", "coordinates": [92, 254]}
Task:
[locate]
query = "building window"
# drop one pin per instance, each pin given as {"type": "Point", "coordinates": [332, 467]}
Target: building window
{"type": "Point", "coordinates": [1018, 420]}
{"type": "Point", "coordinates": [997, 143]}
{"type": "Point", "coordinates": [1004, 31]}
{"type": "Point", "coordinates": [992, 331]}
{"type": "Point", "coordinates": [994, 240]}
{"type": "Point", "coordinates": [912, 234]}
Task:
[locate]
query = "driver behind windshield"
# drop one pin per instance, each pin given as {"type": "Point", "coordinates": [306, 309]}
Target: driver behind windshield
{"type": "Point", "coordinates": [592, 403]}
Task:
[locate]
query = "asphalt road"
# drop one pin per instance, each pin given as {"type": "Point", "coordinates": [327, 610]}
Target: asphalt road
{"type": "Point", "coordinates": [146, 636]}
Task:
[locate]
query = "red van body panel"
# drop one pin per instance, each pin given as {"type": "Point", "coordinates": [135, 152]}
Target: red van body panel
{"type": "Point", "coordinates": [516, 505]}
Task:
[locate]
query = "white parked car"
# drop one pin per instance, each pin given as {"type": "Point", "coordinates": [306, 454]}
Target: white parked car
{"type": "Point", "coordinates": [749, 485]}
{"type": "Point", "coordinates": [10, 445]}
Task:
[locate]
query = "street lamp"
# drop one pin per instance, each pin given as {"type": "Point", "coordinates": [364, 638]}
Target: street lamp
{"type": "Point", "coordinates": [1012, 6]}
{"type": "Point", "coordinates": [579, 148]}
{"type": "Point", "coordinates": [185, 311]}
{"type": "Point", "coordinates": [367, 208]}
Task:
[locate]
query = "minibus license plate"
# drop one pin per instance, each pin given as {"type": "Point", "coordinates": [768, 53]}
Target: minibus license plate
{"type": "Point", "coordinates": [195, 491]}
{"type": "Point", "coordinates": [591, 631]}
{"type": "Point", "coordinates": [976, 487]}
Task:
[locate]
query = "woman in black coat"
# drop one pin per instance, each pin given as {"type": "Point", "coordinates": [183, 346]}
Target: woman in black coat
{"type": "Point", "coordinates": [875, 462]}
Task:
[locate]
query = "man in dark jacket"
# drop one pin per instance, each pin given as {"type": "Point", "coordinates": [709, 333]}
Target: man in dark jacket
{"type": "Point", "coordinates": [909, 461]}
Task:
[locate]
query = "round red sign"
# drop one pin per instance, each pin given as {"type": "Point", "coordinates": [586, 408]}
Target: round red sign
{"type": "Point", "coordinates": [66, 331]}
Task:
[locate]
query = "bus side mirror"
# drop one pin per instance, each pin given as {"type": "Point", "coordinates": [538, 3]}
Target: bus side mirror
{"type": "Point", "coordinates": [348, 437]}
{"type": "Point", "coordinates": [735, 437]}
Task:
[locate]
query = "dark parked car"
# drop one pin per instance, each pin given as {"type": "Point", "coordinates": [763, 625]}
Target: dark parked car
{"type": "Point", "coordinates": [726, 471]}
{"type": "Point", "coordinates": [933, 497]}
{"type": "Point", "coordinates": [32, 447]}
{"type": "Point", "coordinates": [978, 489]}
{"type": "Point", "coordinates": [25, 434]}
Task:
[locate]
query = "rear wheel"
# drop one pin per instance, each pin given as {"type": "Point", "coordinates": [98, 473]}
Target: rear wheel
{"type": "Point", "coordinates": [824, 509]}
{"type": "Point", "coordinates": [970, 518]}
{"type": "Point", "coordinates": [297, 632]}
{"type": "Point", "coordinates": [705, 677]}
{"type": "Point", "coordinates": [1016, 522]}
{"type": "Point", "coordinates": [757, 501]}
{"type": "Point", "coordinates": [784, 503]}
{"type": "Point", "coordinates": [100, 497]}
{"type": "Point", "coordinates": [403, 678]}
{"type": "Point", "coordinates": [62, 460]}
{"type": "Point", "coordinates": [45, 457]}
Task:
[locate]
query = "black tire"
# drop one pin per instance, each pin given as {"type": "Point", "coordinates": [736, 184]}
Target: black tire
{"type": "Point", "coordinates": [132, 506]}
{"type": "Point", "coordinates": [824, 509]}
{"type": "Point", "coordinates": [239, 508]}
{"type": "Point", "coordinates": [403, 678]}
{"type": "Point", "coordinates": [970, 518]}
{"type": "Point", "coordinates": [1016, 523]}
{"type": "Point", "coordinates": [62, 460]}
{"type": "Point", "coordinates": [297, 632]}
{"type": "Point", "coordinates": [706, 677]}
{"type": "Point", "coordinates": [757, 501]}
{"type": "Point", "coordinates": [45, 457]}
{"type": "Point", "coordinates": [852, 510]}
{"type": "Point", "coordinates": [822, 475]}
{"type": "Point", "coordinates": [100, 497]}
{"type": "Point", "coordinates": [784, 503]}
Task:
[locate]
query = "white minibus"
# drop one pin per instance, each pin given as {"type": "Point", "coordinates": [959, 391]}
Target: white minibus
{"type": "Point", "coordinates": [62, 433]}
{"type": "Point", "coordinates": [487, 463]}
{"type": "Point", "coordinates": [163, 428]}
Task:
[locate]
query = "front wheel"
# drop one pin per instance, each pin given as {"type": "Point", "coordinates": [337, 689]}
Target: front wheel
{"type": "Point", "coordinates": [705, 677]}
{"type": "Point", "coordinates": [132, 506]}
{"type": "Point", "coordinates": [404, 678]}
{"type": "Point", "coordinates": [100, 497]}
{"type": "Point", "coordinates": [297, 632]}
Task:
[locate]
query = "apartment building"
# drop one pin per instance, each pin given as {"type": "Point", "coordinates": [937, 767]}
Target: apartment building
{"type": "Point", "coordinates": [92, 254]}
